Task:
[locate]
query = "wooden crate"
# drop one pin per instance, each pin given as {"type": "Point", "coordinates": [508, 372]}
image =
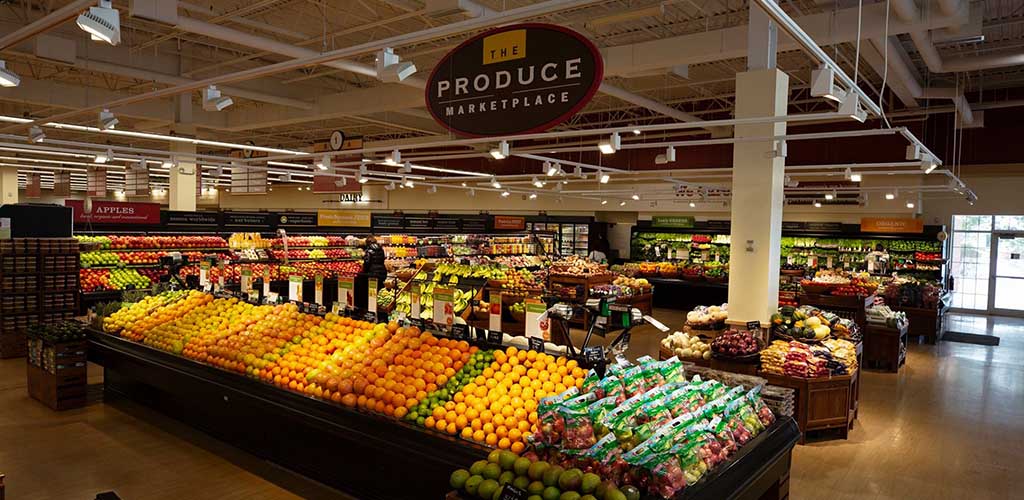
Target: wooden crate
{"type": "Point", "coordinates": [821, 403]}
{"type": "Point", "coordinates": [885, 348]}
{"type": "Point", "coordinates": [62, 391]}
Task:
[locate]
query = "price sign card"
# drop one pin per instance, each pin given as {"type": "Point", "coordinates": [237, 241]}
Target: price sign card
{"type": "Point", "coordinates": [494, 337]}
{"type": "Point", "coordinates": [345, 288]}
{"type": "Point", "coordinates": [266, 280]}
{"type": "Point", "coordinates": [460, 331]}
{"type": "Point", "coordinates": [495, 313]}
{"type": "Point", "coordinates": [536, 325]}
{"type": "Point", "coordinates": [246, 279]}
{"type": "Point", "coordinates": [220, 274]}
{"type": "Point", "coordinates": [444, 311]}
{"type": "Point", "coordinates": [593, 354]}
{"type": "Point", "coordinates": [318, 289]}
{"type": "Point", "coordinates": [414, 301]}
{"type": "Point", "coordinates": [204, 274]}
{"type": "Point", "coordinates": [536, 344]}
{"type": "Point", "coordinates": [295, 288]}
{"type": "Point", "coordinates": [371, 295]}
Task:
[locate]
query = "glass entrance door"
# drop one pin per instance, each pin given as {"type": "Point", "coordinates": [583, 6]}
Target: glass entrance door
{"type": "Point", "coordinates": [1008, 274]}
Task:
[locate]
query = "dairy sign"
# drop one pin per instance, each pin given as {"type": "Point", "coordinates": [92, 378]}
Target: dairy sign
{"type": "Point", "coordinates": [513, 80]}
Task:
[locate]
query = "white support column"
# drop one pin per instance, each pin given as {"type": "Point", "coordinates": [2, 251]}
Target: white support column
{"type": "Point", "coordinates": [183, 178]}
{"type": "Point", "coordinates": [8, 185]}
{"type": "Point", "coordinates": [757, 198]}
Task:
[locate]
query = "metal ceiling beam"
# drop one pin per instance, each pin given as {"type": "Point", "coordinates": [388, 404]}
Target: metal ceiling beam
{"type": "Point", "coordinates": [44, 24]}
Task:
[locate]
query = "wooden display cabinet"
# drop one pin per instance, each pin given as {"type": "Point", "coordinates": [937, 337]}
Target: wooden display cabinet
{"type": "Point", "coordinates": [885, 348]}
{"type": "Point", "coordinates": [822, 403]}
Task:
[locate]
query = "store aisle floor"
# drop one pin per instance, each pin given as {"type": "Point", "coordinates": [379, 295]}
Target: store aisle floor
{"type": "Point", "coordinates": [947, 426]}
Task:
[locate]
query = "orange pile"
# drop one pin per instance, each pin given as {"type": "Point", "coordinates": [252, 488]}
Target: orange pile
{"type": "Point", "coordinates": [499, 407]}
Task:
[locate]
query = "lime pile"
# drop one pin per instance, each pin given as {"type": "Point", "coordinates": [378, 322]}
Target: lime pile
{"type": "Point", "coordinates": [485, 479]}
{"type": "Point", "coordinates": [438, 398]}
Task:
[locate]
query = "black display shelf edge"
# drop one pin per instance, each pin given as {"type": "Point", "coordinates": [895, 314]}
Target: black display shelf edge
{"type": "Point", "coordinates": [361, 454]}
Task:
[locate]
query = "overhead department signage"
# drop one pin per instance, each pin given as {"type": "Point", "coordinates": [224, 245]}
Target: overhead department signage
{"type": "Point", "coordinates": [515, 79]}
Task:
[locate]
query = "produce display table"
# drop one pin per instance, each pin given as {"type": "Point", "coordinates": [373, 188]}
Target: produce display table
{"type": "Point", "coordinates": [849, 307]}
{"type": "Point", "coordinates": [356, 452]}
{"type": "Point", "coordinates": [584, 284]}
{"type": "Point", "coordinates": [926, 322]}
{"type": "Point", "coordinates": [885, 347]}
{"type": "Point", "coordinates": [821, 403]}
{"type": "Point", "coordinates": [684, 295]}
{"type": "Point", "coordinates": [643, 301]}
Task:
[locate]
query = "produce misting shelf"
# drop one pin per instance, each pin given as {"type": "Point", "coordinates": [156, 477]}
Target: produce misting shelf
{"type": "Point", "coordinates": [360, 453]}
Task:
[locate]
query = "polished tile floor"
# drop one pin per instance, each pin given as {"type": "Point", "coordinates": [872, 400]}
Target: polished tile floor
{"type": "Point", "coordinates": [948, 426]}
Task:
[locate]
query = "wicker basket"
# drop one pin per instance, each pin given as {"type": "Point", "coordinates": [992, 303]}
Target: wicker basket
{"type": "Point", "coordinates": [817, 288]}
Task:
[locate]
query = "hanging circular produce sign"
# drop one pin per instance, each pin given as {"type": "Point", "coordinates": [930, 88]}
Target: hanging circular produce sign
{"type": "Point", "coordinates": [514, 80]}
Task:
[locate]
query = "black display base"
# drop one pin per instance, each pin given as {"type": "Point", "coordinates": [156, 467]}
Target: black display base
{"type": "Point", "coordinates": [360, 453]}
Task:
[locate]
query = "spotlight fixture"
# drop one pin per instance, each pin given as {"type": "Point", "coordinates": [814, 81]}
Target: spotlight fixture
{"type": "Point", "coordinates": [928, 164]}
{"type": "Point", "coordinates": [495, 183]}
{"type": "Point", "coordinates": [391, 68]}
{"type": "Point", "coordinates": [213, 100]}
{"type": "Point", "coordinates": [851, 107]}
{"type": "Point", "coordinates": [35, 134]}
{"type": "Point", "coordinates": [604, 202]}
{"type": "Point", "coordinates": [360, 179]}
{"type": "Point", "coordinates": [390, 186]}
{"type": "Point", "coordinates": [394, 159]}
{"type": "Point", "coordinates": [611, 145]}
{"type": "Point", "coordinates": [103, 157]}
{"type": "Point", "coordinates": [823, 84]}
{"type": "Point", "coordinates": [578, 172]}
{"type": "Point", "coordinates": [537, 182]}
{"type": "Point", "coordinates": [407, 182]}
{"type": "Point", "coordinates": [107, 120]}
{"type": "Point", "coordinates": [505, 194]}
{"type": "Point", "coordinates": [622, 203]}
{"type": "Point", "coordinates": [533, 196]}
{"type": "Point", "coordinates": [501, 152]}
{"type": "Point", "coordinates": [693, 205]}
{"type": "Point", "coordinates": [341, 182]}
{"type": "Point", "coordinates": [324, 163]}
{"type": "Point", "coordinates": [910, 204]}
{"type": "Point", "coordinates": [550, 169]}
{"type": "Point", "coordinates": [167, 164]}
{"type": "Point", "coordinates": [817, 204]}
{"type": "Point", "coordinates": [102, 23]}
{"type": "Point", "coordinates": [855, 177]}
{"type": "Point", "coordinates": [406, 168]}
{"type": "Point", "coordinates": [892, 195]}
{"type": "Point", "coordinates": [829, 196]}
{"type": "Point", "coordinates": [471, 193]}
{"type": "Point", "coordinates": [7, 77]}
{"type": "Point", "coordinates": [308, 188]}
{"type": "Point", "coordinates": [432, 189]}
{"type": "Point", "coordinates": [635, 130]}
{"type": "Point", "coordinates": [464, 183]}
{"type": "Point", "coordinates": [636, 197]}
{"type": "Point", "coordinates": [603, 177]}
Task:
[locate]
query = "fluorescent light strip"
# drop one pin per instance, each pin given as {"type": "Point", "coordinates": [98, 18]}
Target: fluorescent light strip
{"type": "Point", "coordinates": [147, 135]}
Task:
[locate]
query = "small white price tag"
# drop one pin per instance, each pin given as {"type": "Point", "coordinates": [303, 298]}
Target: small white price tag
{"type": "Point", "coordinates": [266, 281]}
{"type": "Point", "coordinates": [655, 323]}
{"type": "Point", "coordinates": [318, 289]}
{"type": "Point", "coordinates": [494, 322]}
{"type": "Point", "coordinates": [246, 279]}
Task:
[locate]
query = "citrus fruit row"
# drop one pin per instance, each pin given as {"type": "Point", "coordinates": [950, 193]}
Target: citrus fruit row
{"type": "Point", "coordinates": [443, 384]}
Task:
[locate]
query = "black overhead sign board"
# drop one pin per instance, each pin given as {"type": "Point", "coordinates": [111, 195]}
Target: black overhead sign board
{"type": "Point", "coordinates": [248, 219]}
{"type": "Point", "coordinates": [295, 219]}
{"type": "Point", "coordinates": [822, 227]}
{"type": "Point", "coordinates": [514, 79]}
{"type": "Point", "coordinates": [387, 222]}
{"type": "Point", "coordinates": [181, 218]}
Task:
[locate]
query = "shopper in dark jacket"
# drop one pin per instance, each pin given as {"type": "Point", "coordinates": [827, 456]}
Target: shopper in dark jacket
{"type": "Point", "coordinates": [373, 261]}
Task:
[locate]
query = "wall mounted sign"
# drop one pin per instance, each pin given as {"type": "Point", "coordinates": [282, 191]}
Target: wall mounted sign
{"type": "Point", "coordinates": [115, 212]}
{"type": "Point", "coordinates": [891, 225]}
{"type": "Point", "coordinates": [672, 221]}
{"type": "Point", "coordinates": [509, 223]}
{"type": "Point", "coordinates": [514, 79]}
{"type": "Point", "coordinates": [182, 218]}
{"type": "Point", "coordinates": [246, 219]}
{"type": "Point", "coordinates": [342, 218]}
{"type": "Point", "coordinates": [295, 219]}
